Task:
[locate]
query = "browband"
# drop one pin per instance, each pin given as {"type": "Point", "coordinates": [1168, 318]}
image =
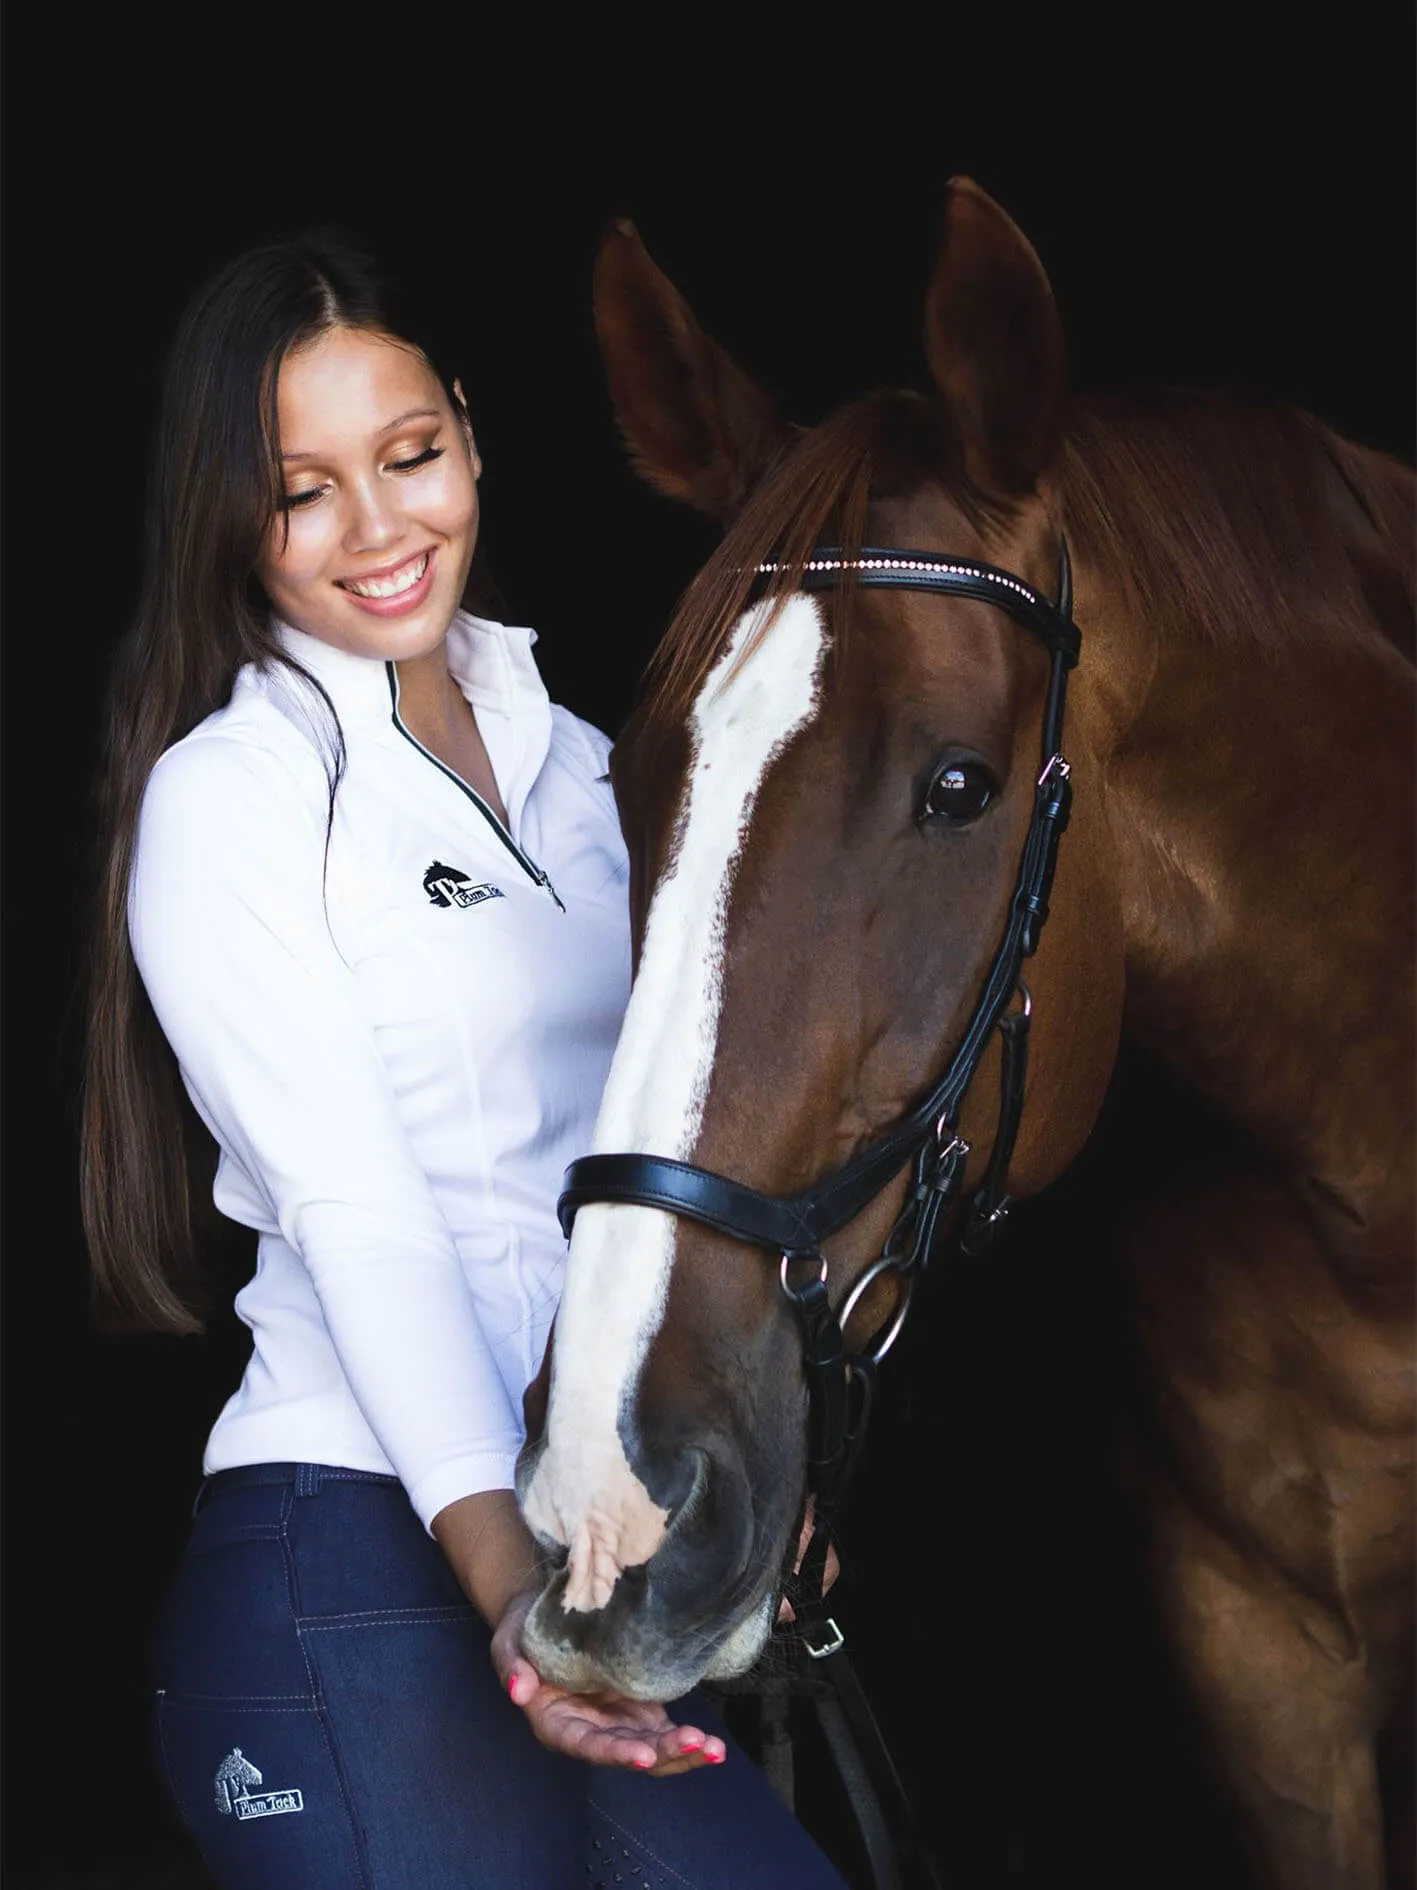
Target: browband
{"type": "Point", "coordinates": [875, 568]}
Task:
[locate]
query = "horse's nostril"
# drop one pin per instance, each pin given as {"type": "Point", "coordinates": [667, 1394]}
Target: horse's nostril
{"type": "Point", "coordinates": [683, 1513]}
{"type": "Point", "coordinates": [710, 1529]}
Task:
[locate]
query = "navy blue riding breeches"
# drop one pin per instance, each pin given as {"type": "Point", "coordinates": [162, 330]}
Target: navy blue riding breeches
{"type": "Point", "coordinates": [328, 1718]}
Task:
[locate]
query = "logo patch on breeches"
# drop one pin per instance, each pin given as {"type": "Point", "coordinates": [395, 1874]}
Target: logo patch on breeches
{"type": "Point", "coordinates": [446, 886]}
{"type": "Point", "coordinates": [234, 1798]}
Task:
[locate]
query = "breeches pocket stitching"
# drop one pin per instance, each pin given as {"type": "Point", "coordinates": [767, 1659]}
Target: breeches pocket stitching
{"type": "Point", "coordinates": [237, 1532]}
{"type": "Point", "coordinates": [246, 1701]}
{"type": "Point", "coordinates": [383, 1617]}
{"type": "Point", "coordinates": [280, 1704]}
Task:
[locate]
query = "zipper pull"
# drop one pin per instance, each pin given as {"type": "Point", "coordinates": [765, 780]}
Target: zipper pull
{"type": "Point", "coordinates": [545, 879]}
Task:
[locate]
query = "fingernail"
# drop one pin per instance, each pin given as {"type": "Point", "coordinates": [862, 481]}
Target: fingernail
{"type": "Point", "coordinates": [691, 1744]}
{"type": "Point", "coordinates": [715, 1758]}
{"type": "Point", "coordinates": [642, 1765]}
{"type": "Point", "coordinates": [512, 1687]}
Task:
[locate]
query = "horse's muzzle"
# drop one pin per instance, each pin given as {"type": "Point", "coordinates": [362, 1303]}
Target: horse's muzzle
{"type": "Point", "coordinates": [700, 1606]}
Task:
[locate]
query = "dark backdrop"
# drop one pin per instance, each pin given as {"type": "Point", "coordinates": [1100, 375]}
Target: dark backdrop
{"type": "Point", "coordinates": [1208, 213]}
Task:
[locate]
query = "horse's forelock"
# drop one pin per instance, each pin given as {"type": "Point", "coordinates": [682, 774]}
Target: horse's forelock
{"type": "Point", "coordinates": [817, 491]}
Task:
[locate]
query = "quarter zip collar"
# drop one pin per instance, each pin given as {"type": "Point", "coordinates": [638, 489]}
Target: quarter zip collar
{"type": "Point", "coordinates": [505, 834]}
{"type": "Point", "coordinates": [493, 666]}
{"type": "Point", "coordinates": [354, 684]}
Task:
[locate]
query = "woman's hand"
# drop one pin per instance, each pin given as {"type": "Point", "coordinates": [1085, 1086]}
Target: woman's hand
{"type": "Point", "coordinates": [601, 1728]}
{"type": "Point", "coordinates": [500, 1568]}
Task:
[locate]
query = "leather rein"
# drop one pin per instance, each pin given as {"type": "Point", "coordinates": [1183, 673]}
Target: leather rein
{"type": "Point", "coordinates": [794, 1226]}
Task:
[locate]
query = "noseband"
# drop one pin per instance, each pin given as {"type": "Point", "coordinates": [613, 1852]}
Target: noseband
{"type": "Point", "coordinates": [794, 1226]}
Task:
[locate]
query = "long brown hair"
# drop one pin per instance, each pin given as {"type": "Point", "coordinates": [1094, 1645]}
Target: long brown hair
{"type": "Point", "coordinates": [214, 490]}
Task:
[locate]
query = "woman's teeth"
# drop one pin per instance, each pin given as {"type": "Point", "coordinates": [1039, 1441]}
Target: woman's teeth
{"type": "Point", "coordinates": [403, 579]}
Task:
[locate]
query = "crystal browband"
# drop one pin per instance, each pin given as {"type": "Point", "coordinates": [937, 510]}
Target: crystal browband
{"type": "Point", "coordinates": [963, 577]}
{"type": "Point", "coordinates": [913, 564]}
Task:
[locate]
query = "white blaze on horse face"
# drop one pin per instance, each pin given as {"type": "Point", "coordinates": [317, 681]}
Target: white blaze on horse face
{"type": "Point", "coordinates": [585, 1492]}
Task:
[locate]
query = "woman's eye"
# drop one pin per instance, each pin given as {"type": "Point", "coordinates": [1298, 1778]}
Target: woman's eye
{"type": "Point", "coordinates": [961, 790]}
{"type": "Point", "coordinates": [293, 501]}
{"type": "Point", "coordinates": [420, 459]}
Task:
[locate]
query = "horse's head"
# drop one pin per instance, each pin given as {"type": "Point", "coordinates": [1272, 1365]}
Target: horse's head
{"type": "Point", "coordinates": [825, 797]}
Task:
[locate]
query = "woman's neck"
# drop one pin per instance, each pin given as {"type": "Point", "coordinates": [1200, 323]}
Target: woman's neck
{"type": "Point", "coordinates": [434, 710]}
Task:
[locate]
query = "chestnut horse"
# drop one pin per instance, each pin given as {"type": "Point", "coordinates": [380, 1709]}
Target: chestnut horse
{"type": "Point", "coordinates": [826, 795]}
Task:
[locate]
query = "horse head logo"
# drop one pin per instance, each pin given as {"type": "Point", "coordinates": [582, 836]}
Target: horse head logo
{"type": "Point", "coordinates": [234, 1778]}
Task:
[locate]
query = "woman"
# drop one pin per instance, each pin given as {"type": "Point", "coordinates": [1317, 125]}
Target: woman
{"type": "Point", "coordinates": [365, 899]}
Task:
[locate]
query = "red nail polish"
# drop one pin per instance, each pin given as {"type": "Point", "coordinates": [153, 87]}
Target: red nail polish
{"type": "Point", "coordinates": [512, 1687]}
{"type": "Point", "coordinates": [715, 1758]}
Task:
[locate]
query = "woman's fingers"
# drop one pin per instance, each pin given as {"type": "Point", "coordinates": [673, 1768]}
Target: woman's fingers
{"type": "Point", "coordinates": [509, 1663]}
{"type": "Point", "coordinates": [626, 1733]}
{"type": "Point", "coordinates": [522, 1682]}
{"type": "Point", "coordinates": [684, 1748]}
{"type": "Point", "coordinates": [563, 1725]}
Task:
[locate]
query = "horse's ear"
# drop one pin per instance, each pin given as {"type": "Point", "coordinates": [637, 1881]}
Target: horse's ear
{"type": "Point", "coordinates": [697, 427]}
{"type": "Point", "coordinates": [994, 342]}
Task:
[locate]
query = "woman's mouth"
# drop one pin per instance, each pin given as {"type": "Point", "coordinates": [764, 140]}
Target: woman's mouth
{"type": "Point", "coordinates": [394, 590]}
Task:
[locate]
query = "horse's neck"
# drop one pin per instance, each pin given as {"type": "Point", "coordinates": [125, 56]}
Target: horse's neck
{"type": "Point", "coordinates": [1261, 806]}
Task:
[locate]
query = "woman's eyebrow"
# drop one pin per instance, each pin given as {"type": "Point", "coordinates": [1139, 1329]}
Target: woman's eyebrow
{"type": "Point", "coordinates": [414, 413]}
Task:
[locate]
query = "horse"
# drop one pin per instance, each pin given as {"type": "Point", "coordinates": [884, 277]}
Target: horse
{"type": "Point", "coordinates": [827, 784]}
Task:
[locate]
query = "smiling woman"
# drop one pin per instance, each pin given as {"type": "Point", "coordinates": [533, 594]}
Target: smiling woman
{"type": "Point", "coordinates": [374, 534]}
{"type": "Point", "coordinates": [378, 516]}
{"type": "Point", "coordinates": [365, 924]}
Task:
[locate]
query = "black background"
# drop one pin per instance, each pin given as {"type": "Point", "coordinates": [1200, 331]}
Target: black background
{"type": "Point", "coordinates": [1211, 209]}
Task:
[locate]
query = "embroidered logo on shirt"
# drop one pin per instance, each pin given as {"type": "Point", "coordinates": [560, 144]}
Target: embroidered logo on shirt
{"type": "Point", "coordinates": [234, 1778]}
{"type": "Point", "coordinates": [446, 886]}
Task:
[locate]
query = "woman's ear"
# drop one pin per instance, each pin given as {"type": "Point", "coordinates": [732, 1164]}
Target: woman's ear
{"type": "Point", "coordinates": [466, 419]}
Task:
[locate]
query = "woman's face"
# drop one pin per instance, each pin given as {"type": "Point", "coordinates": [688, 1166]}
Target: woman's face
{"type": "Point", "coordinates": [371, 548]}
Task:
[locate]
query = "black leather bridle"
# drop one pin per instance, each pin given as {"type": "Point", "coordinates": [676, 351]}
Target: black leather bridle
{"type": "Point", "coordinates": [794, 1226]}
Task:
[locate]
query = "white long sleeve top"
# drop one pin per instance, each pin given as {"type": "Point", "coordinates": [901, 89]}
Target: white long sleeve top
{"type": "Point", "coordinates": [398, 1045]}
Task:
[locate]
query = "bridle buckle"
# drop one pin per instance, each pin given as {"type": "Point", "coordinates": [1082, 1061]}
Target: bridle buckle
{"type": "Point", "coordinates": [832, 1639]}
{"type": "Point", "coordinates": [1056, 768]}
{"type": "Point", "coordinates": [950, 1155]}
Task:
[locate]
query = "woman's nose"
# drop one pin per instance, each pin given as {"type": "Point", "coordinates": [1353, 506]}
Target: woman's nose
{"type": "Point", "coordinates": [375, 519]}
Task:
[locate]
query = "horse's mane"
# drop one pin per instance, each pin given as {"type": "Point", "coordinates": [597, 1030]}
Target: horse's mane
{"type": "Point", "coordinates": [1233, 519]}
{"type": "Point", "coordinates": [1219, 513]}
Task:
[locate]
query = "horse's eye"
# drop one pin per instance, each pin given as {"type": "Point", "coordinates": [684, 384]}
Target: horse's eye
{"type": "Point", "coordinates": [961, 790]}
